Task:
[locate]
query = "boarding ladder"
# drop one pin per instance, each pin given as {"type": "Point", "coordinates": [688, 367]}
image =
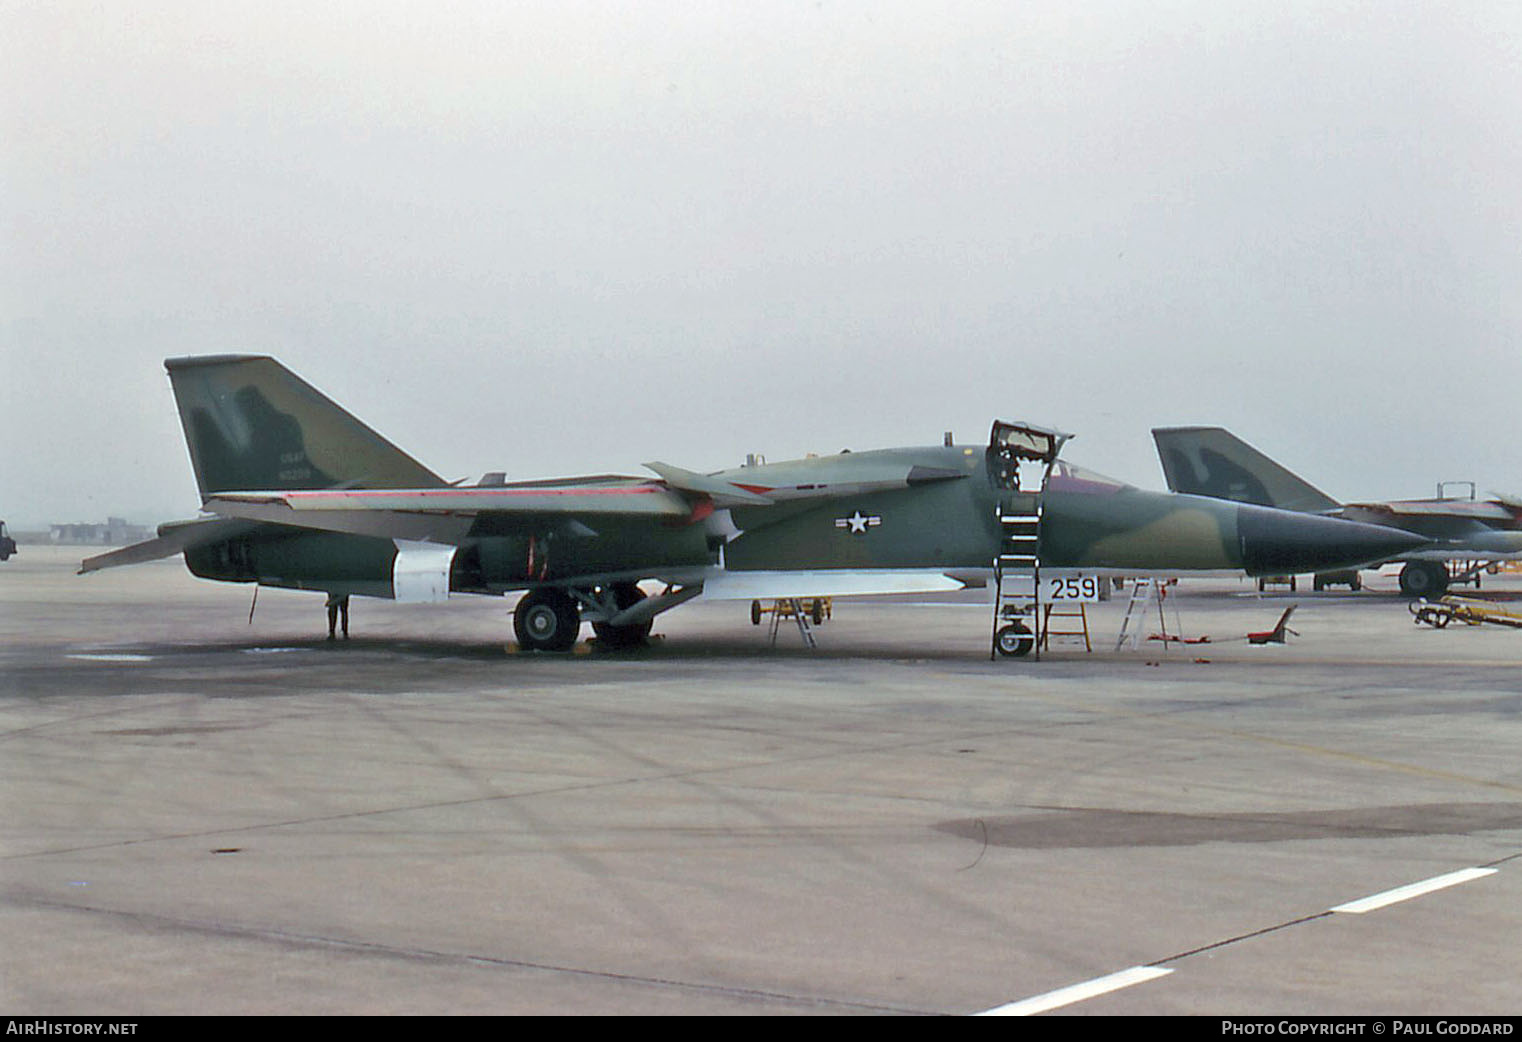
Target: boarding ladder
{"type": "Point", "coordinates": [1017, 572]}
{"type": "Point", "coordinates": [1013, 448]}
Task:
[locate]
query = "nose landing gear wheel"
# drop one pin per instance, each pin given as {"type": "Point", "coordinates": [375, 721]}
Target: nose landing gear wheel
{"type": "Point", "coordinates": [1015, 640]}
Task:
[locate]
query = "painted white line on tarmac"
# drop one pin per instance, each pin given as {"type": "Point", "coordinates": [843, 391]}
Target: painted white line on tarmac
{"type": "Point", "coordinates": [103, 657]}
{"type": "Point", "coordinates": [1406, 893]}
{"type": "Point", "coordinates": [1140, 974]}
{"type": "Point", "coordinates": [1077, 992]}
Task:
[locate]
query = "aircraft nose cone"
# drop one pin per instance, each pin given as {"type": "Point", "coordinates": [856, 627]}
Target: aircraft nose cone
{"type": "Point", "coordinates": [1280, 542]}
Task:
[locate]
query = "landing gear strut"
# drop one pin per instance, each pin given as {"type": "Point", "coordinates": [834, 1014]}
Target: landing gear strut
{"type": "Point", "coordinates": [547, 619]}
{"type": "Point", "coordinates": [624, 595]}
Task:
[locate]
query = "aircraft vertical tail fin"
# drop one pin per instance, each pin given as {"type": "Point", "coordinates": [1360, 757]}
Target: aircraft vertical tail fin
{"type": "Point", "coordinates": [1211, 461]}
{"type": "Point", "coordinates": [251, 423]}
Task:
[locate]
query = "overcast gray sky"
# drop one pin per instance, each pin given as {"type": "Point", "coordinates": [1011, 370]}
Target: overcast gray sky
{"type": "Point", "coordinates": [551, 238]}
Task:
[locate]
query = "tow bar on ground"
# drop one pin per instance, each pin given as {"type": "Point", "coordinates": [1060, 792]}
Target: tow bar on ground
{"type": "Point", "coordinates": [1467, 610]}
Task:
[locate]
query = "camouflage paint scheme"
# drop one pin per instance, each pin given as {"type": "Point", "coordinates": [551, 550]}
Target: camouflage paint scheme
{"type": "Point", "coordinates": [308, 497]}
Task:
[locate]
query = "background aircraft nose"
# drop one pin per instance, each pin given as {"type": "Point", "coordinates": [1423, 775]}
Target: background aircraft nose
{"type": "Point", "coordinates": [1280, 542]}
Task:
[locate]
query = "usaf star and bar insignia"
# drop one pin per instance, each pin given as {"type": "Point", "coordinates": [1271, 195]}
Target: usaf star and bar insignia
{"type": "Point", "coordinates": [858, 523]}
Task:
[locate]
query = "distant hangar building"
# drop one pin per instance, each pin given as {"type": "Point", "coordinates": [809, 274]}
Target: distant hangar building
{"type": "Point", "coordinates": [114, 532]}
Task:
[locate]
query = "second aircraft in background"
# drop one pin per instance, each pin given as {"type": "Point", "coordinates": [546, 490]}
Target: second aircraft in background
{"type": "Point", "coordinates": [1211, 461]}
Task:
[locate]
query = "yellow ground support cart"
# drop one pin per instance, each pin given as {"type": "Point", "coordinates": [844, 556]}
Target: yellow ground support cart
{"type": "Point", "coordinates": [816, 608]}
{"type": "Point", "coordinates": [1468, 610]}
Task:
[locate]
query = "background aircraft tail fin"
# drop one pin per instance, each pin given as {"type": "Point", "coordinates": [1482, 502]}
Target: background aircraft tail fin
{"type": "Point", "coordinates": [251, 424]}
{"type": "Point", "coordinates": [1211, 461]}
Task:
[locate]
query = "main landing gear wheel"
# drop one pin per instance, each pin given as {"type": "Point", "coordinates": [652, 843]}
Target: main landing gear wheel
{"type": "Point", "coordinates": [1015, 639]}
{"type": "Point", "coordinates": [1424, 579]}
{"type": "Point", "coordinates": [547, 619]}
{"type": "Point", "coordinates": [625, 595]}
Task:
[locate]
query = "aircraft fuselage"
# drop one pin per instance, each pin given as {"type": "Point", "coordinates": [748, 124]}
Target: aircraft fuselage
{"type": "Point", "coordinates": [948, 523]}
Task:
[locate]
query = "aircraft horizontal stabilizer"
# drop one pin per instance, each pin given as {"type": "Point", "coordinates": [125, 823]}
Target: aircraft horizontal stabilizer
{"type": "Point", "coordinates": [381, 524]}
{"type": "Point", "coordinates": [174, 538]}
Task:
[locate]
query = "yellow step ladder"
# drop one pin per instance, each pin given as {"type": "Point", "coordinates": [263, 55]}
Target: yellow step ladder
{"type": "Point", "coordinates": [1067, 612]}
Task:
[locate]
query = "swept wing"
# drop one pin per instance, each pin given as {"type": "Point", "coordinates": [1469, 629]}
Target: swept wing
{"type": "Point", "coordinates": [452, 515]}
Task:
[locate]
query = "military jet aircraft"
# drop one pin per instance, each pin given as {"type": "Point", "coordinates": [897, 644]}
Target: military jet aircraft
{"type": "Point", "coordinates": [305, 496]}
{"type": "Point", "coordinates": [1211, 461]}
